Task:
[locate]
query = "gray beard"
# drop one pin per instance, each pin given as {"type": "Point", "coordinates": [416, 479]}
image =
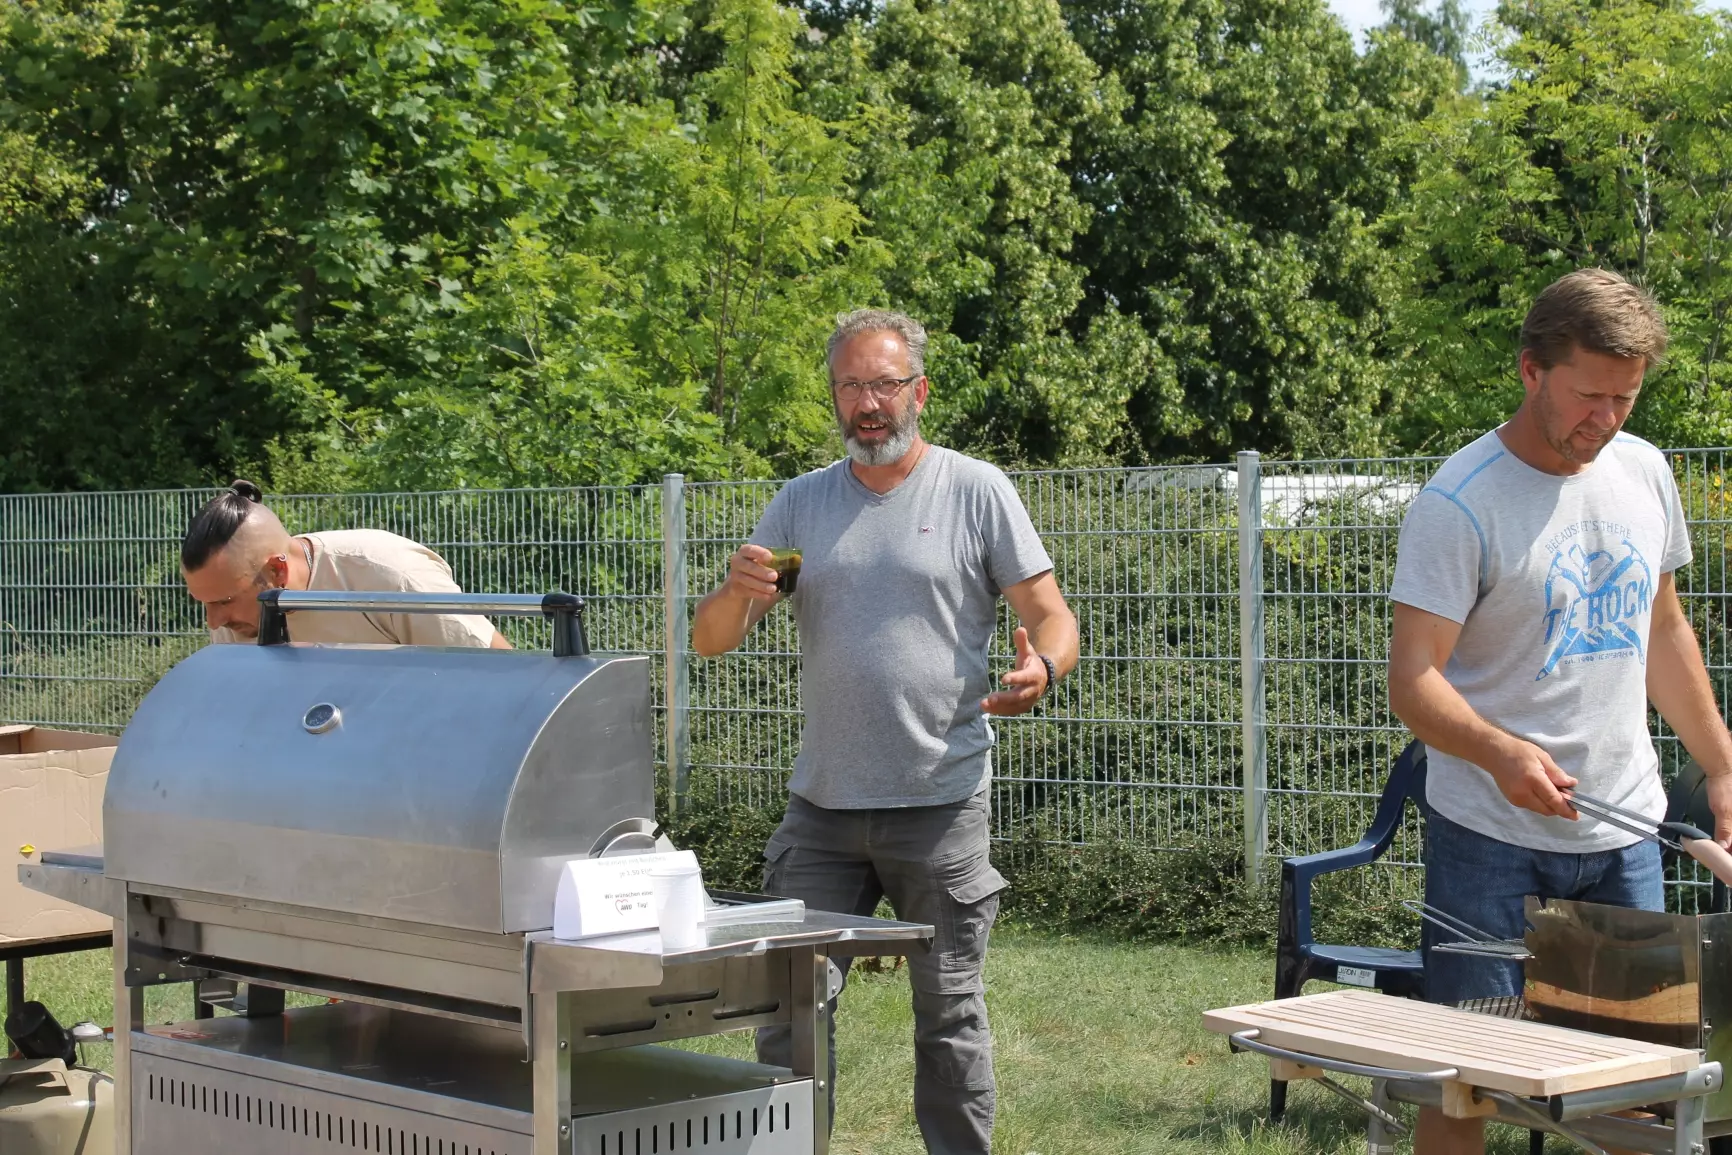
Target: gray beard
{"type": "Point", "coordinates": [887, 452]}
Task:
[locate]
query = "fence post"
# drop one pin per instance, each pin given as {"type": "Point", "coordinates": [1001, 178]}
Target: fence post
{"type": "Point", "coordinates": [1253, 749]}
{"type": "Point", "coordinates": [676, 666]}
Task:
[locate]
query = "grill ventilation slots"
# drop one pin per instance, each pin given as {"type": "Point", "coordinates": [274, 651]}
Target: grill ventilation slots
{"type": "Point", "coordinates": [180, 1107]}
{"type": "Point", "coordinates": [721, 1132]}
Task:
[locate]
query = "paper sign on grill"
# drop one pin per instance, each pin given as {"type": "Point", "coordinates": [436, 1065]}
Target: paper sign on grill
{"type": "Point", "coordinates": [609, 895]}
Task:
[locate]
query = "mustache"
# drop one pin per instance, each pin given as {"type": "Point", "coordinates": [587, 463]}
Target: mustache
{"type": "Point", "coordinates": [880, 416]}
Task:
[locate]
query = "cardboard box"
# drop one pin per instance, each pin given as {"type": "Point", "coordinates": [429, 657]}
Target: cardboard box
{"type": "Point", "coordinates": [51, 784]}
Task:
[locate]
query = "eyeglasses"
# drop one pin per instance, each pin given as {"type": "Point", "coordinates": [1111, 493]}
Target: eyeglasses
{"type": "Point", "coordinates": [885, 388]}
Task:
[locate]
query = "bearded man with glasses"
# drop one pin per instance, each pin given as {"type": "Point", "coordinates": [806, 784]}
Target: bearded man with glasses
{"type": "Point", "coordinates": [905, 549]}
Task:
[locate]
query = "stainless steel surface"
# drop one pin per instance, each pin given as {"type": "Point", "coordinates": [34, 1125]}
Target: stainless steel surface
{"type": "Point", "coordinates": [179, 1108]}
{"type": "Point", "coordinates": [332, 948]}
{"type": "Point", "coordinates": [89, 857]}
{"type": "Point", "coordinates": [1250, 1041]}
{"type": "Point", "coordinates": [808, 982]}
{"type": "Point", "coordinates": [1471, 939]}
{"type": "Point", "coordinates": [1631, 973]}
{"type": "Point", "coordinates": [1688, 1120]}
{"type": "Point", "coordinates": [128, 1015]}
{"type": "Point", "coordinates": [1671, 835]}
{"type": "Point", "coordinates": [465, 1073]}
{"type": "Point", "coordinates": [1378, 1113]}
{"type": "Point", "coordinates": [455, 786]}
{"type": "Point", "coordinates": [550, 1072]}
{"type": "Point", "coordinates": [1680, 1138]}
{"type": "Point", "coordinates": [519, 605]}
{"type": "Point", "coordinates": [346, 1076]}
{"type": "Point", "coordinates": [1701, 1082]}
{"type": "Point", "coordinates": [79, 885]}
{"type": "Point", "coordinates": [691, 1001]}
{"type": "Point", "coordinates": [1379, 1139]}
{"type": "Point", "coordinates": [559, 964]}
{"type": "Point", "coordinates": [1636, 974]}
{"type": "Point", "coordinates": [1535, 1117]}
{"type": "Point", "coordinates": [322, 718]}
{"type": "Point", "coordinates": [1715, 938]}
{"type": "Point", "coordinates": [775, 1120]}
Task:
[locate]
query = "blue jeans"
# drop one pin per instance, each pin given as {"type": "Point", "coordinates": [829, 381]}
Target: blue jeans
{"type": "Point", "coordinates": [1484, 881]}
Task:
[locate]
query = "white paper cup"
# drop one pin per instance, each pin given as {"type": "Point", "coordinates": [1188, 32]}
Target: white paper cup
{"type": "Point", "coordinates": [679, 894]}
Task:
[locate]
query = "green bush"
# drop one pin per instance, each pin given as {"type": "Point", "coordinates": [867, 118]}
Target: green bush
{"type": "Point", "coordinates": [1125, 889]}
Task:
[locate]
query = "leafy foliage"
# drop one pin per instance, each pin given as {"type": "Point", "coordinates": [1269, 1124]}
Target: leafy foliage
{"type": "Point", "coordinates": [1234, 211]}
{"type": "Point", "coordinates": [408, 244]}
{"type": "Point", "coordinates": [1607, 145]}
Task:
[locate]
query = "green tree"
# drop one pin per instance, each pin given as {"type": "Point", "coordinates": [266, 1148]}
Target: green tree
{"type": "Point", "coordinates": [1234, 217]}
{"type": "Point", "coordinates": [1607, 143]}
{"type": "Point", "coordinates": [1444, 29]}
{"type": "Point", "coordinates": [479, 242]}
{"type": "Point", "coordinates": [970, 110]}
{"type": "Point", "coordinates": [666, 313]}
{"type": "Point", "coordinates": [756, 245]}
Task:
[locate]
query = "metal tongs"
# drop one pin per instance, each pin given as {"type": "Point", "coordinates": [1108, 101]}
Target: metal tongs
{"type": "Point", "coordinates": [1474, 941]}
{"type": "Point", "coordinates": [1678, 836]}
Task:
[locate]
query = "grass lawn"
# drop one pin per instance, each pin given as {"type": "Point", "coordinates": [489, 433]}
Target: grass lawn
{"type": "Point", "coordinates": [1099, 1045]}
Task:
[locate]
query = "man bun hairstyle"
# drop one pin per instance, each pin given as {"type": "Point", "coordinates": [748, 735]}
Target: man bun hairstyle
{"type": "Point", "coordinates": [912, 332]}
{"type": "Point", "coordinates": [1596, 310]}
{"type": "Point", "coordinates": [217, 523]}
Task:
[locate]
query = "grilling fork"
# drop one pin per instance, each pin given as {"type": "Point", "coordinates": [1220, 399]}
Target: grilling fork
{"type": "Point", "coordinates": [1679, 836]}
{"type": "Point", "coordinates": [1471, 939]}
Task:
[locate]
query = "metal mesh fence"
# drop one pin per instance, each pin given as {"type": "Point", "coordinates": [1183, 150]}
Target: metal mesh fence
{"type": "Point", "coordinates": [1143, 742]}
{"type": "Point", "coordinates": [1140, 742]}
{"type": "Point", "coordinates": [1329, 532]}
{"type": "Point", "coordinates": [1329, 535]}
{"type": "Point", "coordinates": [744, 716]}
{"type": "Point", "coordinates": [93, 609]}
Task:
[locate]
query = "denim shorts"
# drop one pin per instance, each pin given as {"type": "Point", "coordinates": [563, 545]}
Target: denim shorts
{"type": "Point", "coordinates": [1485, 882]}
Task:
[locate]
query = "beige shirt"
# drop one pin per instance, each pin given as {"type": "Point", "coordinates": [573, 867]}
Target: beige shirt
{"type": "Point", "coordinates": [373, 560]}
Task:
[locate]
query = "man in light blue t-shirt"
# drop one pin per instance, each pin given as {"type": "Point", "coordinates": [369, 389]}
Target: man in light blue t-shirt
{"type": "Point", "coordinates": [1536, 618]}
{"type": "Point", "coordinates": [906, 549]}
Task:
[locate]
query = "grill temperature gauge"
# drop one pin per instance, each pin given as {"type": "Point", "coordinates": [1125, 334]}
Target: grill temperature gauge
{"type": "Point", "coordinates": [321, 718]}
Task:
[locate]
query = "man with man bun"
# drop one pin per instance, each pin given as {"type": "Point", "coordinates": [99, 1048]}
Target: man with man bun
{"type": "Point", "coordinates": [236, 548]}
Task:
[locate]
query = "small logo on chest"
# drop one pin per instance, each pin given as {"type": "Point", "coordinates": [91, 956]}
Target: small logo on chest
{"type": "Point", "coordinates": [926, 529]}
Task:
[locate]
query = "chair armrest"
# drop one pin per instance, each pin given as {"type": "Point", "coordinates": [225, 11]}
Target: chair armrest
{"type": "Point", "coordinates": [1297, 874]}
{"type": "Point", "coordinates": [1405, 780]}
{"type": "Point", "coordinates": [1307, 867]}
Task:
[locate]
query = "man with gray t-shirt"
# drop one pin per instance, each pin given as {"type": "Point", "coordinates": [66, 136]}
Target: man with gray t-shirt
{"type": "Point", "coordinates": [1536, 618]}
{"type": "Point", "coordinates": [905, 549]}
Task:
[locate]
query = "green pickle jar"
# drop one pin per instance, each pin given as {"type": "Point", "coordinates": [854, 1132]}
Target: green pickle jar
{"type": "Point", "coordinates": [786, 563]}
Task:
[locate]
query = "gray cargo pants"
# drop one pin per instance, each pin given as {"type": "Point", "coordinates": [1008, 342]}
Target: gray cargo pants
{"type": "Point", "coordinates": [931, 863]}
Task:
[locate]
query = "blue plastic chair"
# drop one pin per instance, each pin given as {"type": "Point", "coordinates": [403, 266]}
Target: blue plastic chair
{"type": "Point", "coordinates": [1299, 958]}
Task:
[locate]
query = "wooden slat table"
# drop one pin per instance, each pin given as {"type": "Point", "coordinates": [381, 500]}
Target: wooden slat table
{"type": "Point", "coordinates": [1524, 1058]}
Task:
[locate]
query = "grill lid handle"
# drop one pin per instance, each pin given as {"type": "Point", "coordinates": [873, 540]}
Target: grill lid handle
{"type": "Point", "coordinates": [566, 610]}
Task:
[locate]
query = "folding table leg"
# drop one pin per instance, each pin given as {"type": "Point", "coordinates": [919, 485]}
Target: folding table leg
{"type": "Point", "coordinates": [1379, 1138]}
{"type": "Point", "coordinates": [1687, 1118]}
{"type": "Point", "coordinates": [14, 986]}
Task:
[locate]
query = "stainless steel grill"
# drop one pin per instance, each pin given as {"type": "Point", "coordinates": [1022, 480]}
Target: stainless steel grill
{"type": "Point", "coordinates": [385, 826]}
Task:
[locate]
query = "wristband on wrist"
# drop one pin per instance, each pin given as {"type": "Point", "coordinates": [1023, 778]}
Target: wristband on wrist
{"type": "Point", "coordinates": [1051, 674]}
